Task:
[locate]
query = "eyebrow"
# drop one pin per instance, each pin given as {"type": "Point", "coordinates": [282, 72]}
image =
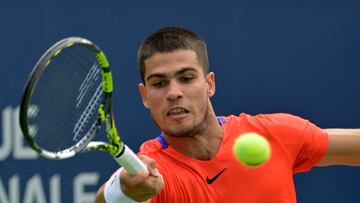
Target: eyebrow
{"type": "Point", "coordinates": [177, 73]}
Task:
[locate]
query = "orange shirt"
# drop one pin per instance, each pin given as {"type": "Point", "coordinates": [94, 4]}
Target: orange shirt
{"type": "Point", "coordinates": [297, 145]}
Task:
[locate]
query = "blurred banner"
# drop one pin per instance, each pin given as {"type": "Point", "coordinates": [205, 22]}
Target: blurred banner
{"type": "Point", "coordinates": [26, 178]}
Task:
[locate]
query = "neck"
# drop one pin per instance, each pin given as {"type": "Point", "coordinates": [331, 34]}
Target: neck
{"type": "Point", "coordinates": [202, 146]}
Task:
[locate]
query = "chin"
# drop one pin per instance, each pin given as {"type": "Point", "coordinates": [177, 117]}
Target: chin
{"type": "Point", "coordinates": [181, 131]}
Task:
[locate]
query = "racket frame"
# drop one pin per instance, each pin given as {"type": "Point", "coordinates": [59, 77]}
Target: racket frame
{"type": "Point", "coordinates": [105, 116]}
{"type": "Point", "coordinates": [121, 153]}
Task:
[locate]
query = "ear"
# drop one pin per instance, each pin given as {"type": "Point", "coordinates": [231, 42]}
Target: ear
{"type": "Point", "coordinates": [210, 80]}
{"type": "Point", "coordinates": [142, 90]}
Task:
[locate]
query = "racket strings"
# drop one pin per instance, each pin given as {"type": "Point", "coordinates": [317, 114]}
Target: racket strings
{"type": "Point", "coordinates": [72, 84]}
{"type": "Point", "coordinates": [85, 117]}
{"type": "Point", "coordinates": [92, 74]}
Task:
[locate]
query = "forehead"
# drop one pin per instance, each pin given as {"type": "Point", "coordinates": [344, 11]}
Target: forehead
{"type": "Point", "coordinates": [170, 62]}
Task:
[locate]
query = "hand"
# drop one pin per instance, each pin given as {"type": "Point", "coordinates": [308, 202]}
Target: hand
{"type": "Point", "coordinates": [142, 186]}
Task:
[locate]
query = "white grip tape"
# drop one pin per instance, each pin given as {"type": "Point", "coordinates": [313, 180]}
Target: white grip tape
{"type": "Point", "coordinates": [113, 192]}
{"type": "Point", "coordinates": [130, 161]}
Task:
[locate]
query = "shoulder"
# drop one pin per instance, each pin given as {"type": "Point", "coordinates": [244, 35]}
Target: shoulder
{"type": "Point", "coordinates": [273, 119]}
{"type": "Point", "coordinates": [275, 124]}
{"type": "Point", "coordinates": [278, 117]}
{"type": "Point", "coordinates": [268, 116]}
{"type": "Point", "coordinates": [150, 147]}
{"type": "Point", "coordinates": [284, 120]}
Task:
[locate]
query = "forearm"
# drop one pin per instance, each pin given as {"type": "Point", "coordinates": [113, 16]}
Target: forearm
{"type": "Point", "coordinates": [100, 195]}
{"type": "Point", "coordinates": [344, 147]}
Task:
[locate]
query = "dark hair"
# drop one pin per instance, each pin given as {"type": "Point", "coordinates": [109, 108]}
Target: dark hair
{"type": "Point", "coordinates": [169, 39]}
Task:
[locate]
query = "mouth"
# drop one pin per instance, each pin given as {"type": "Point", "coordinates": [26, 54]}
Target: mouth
{"type": "Point", "coordinates": [177, 112]}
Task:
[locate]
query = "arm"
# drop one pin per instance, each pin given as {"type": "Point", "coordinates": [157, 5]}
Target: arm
{"type": "Point", "coordinates": [100, 196]}
{"type": "Point", "coordinates": [344, 148]}
{"type": "Point", "coordinates": [141, 187]}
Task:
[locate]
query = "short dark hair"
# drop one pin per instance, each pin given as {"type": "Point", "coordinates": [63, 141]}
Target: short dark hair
{"type": "Point", "coordinates": [168, 39]}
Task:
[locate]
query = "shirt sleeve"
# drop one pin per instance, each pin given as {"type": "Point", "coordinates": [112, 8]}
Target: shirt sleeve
{"type": "Point", "coordinates": [302, 141]}
{"type": "Point", "coordinates": [313, 148]}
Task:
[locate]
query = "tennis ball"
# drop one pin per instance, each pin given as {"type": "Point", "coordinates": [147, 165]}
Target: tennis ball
{"type": "Point", "coordinates": [251, 149]}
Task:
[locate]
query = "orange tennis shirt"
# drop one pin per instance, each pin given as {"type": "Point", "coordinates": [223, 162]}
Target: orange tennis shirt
{"type": "Point", "coordinates": [297, 145]}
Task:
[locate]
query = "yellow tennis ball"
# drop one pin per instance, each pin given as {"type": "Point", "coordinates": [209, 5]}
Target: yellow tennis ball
{"type": "Point", "coordinates": [252, 149]}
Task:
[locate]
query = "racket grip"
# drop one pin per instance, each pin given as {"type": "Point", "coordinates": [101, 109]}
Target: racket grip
{"type": "Point", "coordinates": [128, 159]}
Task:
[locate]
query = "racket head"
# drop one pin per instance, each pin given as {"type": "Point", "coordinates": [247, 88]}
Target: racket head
{"type": "Point", "coordinates": [67, 87]}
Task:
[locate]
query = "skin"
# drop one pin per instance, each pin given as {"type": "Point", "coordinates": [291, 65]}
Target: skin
{"type": "Point", "coordinates": [344, 148]}
{"type": "Point", "coordinates": [177, 94]}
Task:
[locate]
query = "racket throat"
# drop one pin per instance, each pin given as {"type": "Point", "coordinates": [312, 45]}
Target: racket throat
{"type": "Point", "coordinates": [121, 151]}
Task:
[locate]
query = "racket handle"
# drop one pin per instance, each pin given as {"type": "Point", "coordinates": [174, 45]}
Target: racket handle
{"type": "Point", "coordinates": [128, 159]}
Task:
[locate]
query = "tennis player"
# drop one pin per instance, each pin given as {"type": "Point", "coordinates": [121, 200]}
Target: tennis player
{"type": "Point", "coordinates": [192, 160]}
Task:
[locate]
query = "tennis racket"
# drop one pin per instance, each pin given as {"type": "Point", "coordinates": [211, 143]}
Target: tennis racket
{"type": "Point", "coordinates": [67, 100]}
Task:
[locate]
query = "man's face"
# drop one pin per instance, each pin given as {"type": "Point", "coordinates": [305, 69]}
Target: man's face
{"type": "Point", "coordinates": [177, 92]}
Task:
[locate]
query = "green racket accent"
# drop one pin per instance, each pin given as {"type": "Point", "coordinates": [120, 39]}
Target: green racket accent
{"type": "Point", "coordinates": [57, 52]}
{"type": "Point", "coordinates": [106, 75]}
{"type": "Point", "coordinates": [115, 145]}
{"type": "Point", "coordinates": [101, 112]}
{"type": "Point", "coordinates": [105, 148]}
{"type": "Point", "coordinates": [113, 150]}
{"type": "Point", "coordinates": [102, 60]}
{"type": "Point", "coordinates": [107, 82]}
{"type": "Point", "coordinates": [70, 44]}
{"type": "Point", "coordinates": [113, 136]}
{"type": "Point", "coordinates": [48, 62]}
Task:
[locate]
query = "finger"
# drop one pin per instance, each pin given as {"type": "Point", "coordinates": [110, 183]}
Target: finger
{"type": "Point", "coordinates": [133, 179]}
{"type": "Point", "coordinates": [150, 164]}
{"type": "Point", "coordinates": [155, 172]}
{"type": "Point", "coordinates": [159, 183]}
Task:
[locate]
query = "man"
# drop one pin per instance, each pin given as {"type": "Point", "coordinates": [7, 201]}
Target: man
{"type": "Point", "coordinates": [192, 160]}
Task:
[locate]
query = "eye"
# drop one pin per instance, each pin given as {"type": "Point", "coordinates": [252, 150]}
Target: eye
{"type": "Point", "coordinates": [187, 79]}
{"type": "Point", "coordinates": [159, 84]}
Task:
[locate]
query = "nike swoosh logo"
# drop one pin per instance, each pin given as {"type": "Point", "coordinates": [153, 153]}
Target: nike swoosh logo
{"type": "Point", "coordinates": [211, 180]}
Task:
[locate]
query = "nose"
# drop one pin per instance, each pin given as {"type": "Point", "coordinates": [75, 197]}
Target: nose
{"type": "Point", "coordinates": [174, 91]}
